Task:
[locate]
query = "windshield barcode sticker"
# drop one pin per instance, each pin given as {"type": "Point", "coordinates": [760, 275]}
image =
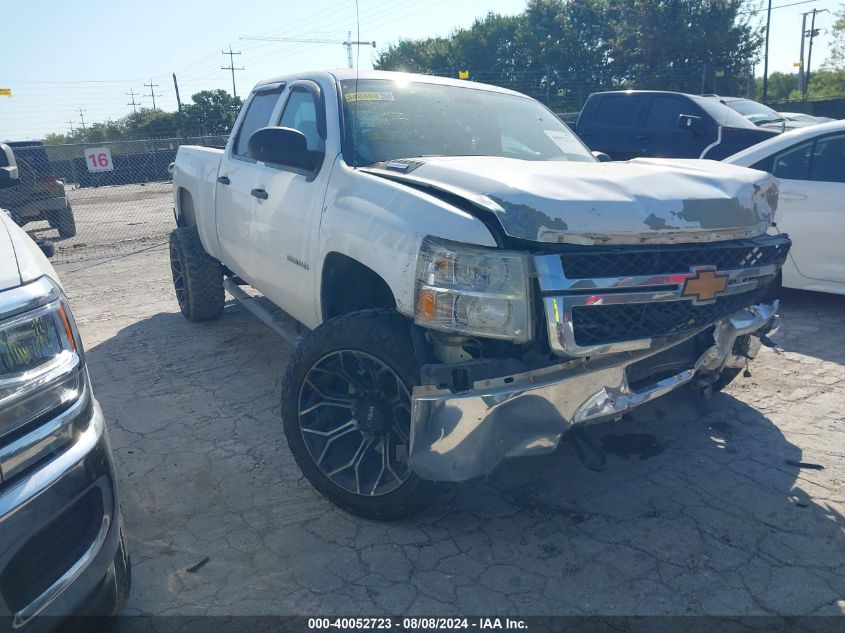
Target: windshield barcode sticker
{"type": "Point", "coordinates": [369, 96]}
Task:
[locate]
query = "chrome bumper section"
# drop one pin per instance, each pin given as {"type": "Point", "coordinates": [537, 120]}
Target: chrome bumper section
{"type": "Point", "coordinates": [458, 436]}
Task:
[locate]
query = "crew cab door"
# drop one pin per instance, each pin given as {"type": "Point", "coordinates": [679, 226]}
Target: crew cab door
{"type": "Point", "coordinates": [810, 207]}
{"type": "Point", "coordinates": [286, 215]}
{"type": "Point", "coordinates": [236, 231]}
{"type": "Point", "coordinates": [612, 123]}
{"type": "Point", "coordinates": [662, 137]}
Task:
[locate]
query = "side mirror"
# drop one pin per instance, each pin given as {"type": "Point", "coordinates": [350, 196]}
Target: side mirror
{"type": "Point", "coordinates": [282, 146]}
{"type": "Point", "coordinates": [8, 167]}
{"type": "Point", "coordinates": [690, 122]}
{"type": "Point", "coordinates": [602, 157]}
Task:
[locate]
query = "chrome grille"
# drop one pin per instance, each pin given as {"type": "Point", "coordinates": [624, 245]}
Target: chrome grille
{"type": "Point", "coordinates": [608, 313]}
{"type": "Point", "coordinates": [629, 261]}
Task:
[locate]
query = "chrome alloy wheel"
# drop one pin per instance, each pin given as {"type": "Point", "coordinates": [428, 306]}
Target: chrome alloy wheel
{"type": "Point", "coordinates": [355, 417]}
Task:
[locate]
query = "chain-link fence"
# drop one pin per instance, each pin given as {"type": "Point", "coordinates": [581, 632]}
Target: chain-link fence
{"type": "Point", "coordinates": [96, 200]}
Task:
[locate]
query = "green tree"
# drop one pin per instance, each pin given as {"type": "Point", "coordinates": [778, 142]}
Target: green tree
{"type": "Point", "coordinates": [674, 45]}
{"type": "Point", "coordinates": [781, 86]}
{"type": "Point", "coordinates": [561, 50]}
{"type": "Point", "coordinates": [432, 55]}
{"type": "Point", "coordinates": [837, 46]}
{"type": "Point", "coordinates": [211, 112]}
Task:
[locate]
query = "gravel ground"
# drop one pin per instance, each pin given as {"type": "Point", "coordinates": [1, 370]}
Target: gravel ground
{"type": "Point", "coordinates": [112, 220]}
{"type": "Point", "coordinates": [705, 507]}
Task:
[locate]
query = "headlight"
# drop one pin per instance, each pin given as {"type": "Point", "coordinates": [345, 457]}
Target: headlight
{"type": "Point", "coordinates": [40, 357]}
{"type": "Point", "coordinates": [482, 292]}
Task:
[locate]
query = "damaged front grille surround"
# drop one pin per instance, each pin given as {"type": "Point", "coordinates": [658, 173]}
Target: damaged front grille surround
{"type": "Point", "coordinates": [609, 314]}
{"type": "Point", "coordinates": [629, 261]}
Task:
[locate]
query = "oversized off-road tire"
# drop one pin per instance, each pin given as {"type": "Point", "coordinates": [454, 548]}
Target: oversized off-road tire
{"type": "Point", "coordinates": [346, 412]}
{"type": "Point", "coordinates": [63, 221]}
{"type": "Point", "coordinates": [197, 277]}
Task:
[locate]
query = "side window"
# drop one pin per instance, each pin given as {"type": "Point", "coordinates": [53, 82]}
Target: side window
{"type": "Point", "coordinates": [794, 163]}
{"type": "Point", "coordinates": [828, 164]}
{"type": "Point", "coordinates": [621, 111]}
{"type": "Point", "coordinates": [258, 114]}
{"type": "Point", "coordinates": [300, 113]}
{"type": "Point", "coordinates": [664, 112]}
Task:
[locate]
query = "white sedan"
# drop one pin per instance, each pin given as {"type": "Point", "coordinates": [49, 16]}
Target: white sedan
{"type": "Point", "coordinates": [810, 164]}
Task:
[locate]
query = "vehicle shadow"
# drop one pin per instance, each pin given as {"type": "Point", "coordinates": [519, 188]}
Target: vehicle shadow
{"type": "Point", "coordinates": [702, 507]}
{"type": "Point", "coordinates": [809, 321]}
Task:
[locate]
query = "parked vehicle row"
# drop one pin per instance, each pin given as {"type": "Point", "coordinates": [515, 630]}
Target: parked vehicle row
{"type": "Point", "coordinates": [62, 549]}
{"type": "Point", "coordinates": [475, 281]}
{"type": "Point", "coordinates": [810, 166]}
{"type": "Point", "coordinates": [650, 123]}
{"type": "Point", "coordinates": [38, 195]}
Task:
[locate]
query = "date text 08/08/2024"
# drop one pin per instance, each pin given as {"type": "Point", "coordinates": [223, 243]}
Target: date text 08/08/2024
{"type": "Point", "coordinates": [432, 623]}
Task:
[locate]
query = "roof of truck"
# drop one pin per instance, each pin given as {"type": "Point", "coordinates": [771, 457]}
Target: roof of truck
{"type": "Point", "coordinates": [350, 73]}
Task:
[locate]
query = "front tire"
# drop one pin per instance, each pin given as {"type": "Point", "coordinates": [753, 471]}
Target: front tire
{"type": "Point", "coordinates": [197, 277]}
{"type": "Point", "coordinates": [346, 412]}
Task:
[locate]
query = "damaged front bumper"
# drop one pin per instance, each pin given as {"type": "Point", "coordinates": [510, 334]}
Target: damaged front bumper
{"type": "Point", "coordinates": [458, 436]}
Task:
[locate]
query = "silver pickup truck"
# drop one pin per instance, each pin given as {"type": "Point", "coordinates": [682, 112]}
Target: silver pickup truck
{"type": "Point", "coordinates": [475, 280]}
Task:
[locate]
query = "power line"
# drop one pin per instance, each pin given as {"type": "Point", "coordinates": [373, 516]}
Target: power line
{"type": "Point", "coordinates": [348, 42]}
{"type": "Point", "coordinates": [151, 85]}
{"type": "Point", "coordinates": [134, 105]}
{"type": "Point", "coordinates": [231, 67]}
{"type": "Point", "coordinates": [780, 6]}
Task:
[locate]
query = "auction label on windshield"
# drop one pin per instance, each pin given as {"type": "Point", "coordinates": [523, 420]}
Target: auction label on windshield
{"type": "Point", "coordinates": [418, 624]}
{"type": "Point", "coordinates": [369, 96]}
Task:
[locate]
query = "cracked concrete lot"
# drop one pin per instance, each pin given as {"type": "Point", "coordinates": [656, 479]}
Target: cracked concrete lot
{"type": "Point", "coordinates": [725, 515]}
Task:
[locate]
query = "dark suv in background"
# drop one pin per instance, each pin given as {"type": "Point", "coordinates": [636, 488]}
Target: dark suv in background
{"type": "Point", "coordinates": [651, 123]}
{"type": "Point", "coordinates": [39, 195]}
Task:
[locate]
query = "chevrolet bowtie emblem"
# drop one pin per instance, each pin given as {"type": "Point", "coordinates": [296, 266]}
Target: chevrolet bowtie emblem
{"type": "Point", "coordinates": [705, 285]}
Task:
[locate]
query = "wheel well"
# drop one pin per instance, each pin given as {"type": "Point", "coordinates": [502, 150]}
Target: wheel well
{"type": "Point", "coordinates": [348, 286]}
{"type": "Point", "coordinates": [185, 214]}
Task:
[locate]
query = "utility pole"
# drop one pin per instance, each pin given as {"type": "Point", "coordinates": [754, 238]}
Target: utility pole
{"type": "Point", "coordinates": [801, 58]}
{"type": "Point", "coordinates": [151, 85]}
{"type": "Point", "coordinates": [82, 116]}
{"type": "Point", "coordinates": [70, 127]}
{"type": "Point", "coordinates": [231, 67]}
{"type": "Point", "coordinates": [178, 100]}
{"type": "Point", "coordinates": [766, 55]}
{"type": "Point", "coordinates": [813, 33]}
{"type": "Point", "coordinates": [133, 103]}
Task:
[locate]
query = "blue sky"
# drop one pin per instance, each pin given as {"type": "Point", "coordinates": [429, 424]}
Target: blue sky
{"type": "Point", "coordinates": [88, 54]}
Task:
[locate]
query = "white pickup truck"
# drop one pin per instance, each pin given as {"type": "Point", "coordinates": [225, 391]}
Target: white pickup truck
{"type": "Point", "coordinates": [475, 281]}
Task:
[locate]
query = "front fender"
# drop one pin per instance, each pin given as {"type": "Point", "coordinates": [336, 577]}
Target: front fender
{"type": "Point", "coordinates": [381, 224]}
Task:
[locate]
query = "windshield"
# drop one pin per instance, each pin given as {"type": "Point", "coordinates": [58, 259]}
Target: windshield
{"type": "Point", "coordinates": [723, 114]}
{"type": "Point", "coordinates": [753, 111]}
{"type": "Point", "coordinates": [396, 119]}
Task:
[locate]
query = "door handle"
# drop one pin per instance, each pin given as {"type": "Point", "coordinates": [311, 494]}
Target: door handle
{"type": "Point", "coordinates": [223, 180]}
{"type": "Point", "coordinates": [260, 194]}
{"type": "Point", "coordinates": [642, 137]}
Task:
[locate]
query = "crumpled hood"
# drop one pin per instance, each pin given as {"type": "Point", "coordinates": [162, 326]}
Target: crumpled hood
{"type": "Point", "coordinates": [639, 201]}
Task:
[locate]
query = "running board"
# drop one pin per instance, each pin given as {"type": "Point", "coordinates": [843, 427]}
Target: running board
{"type": "Point", "coordinates": [276, 320]}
